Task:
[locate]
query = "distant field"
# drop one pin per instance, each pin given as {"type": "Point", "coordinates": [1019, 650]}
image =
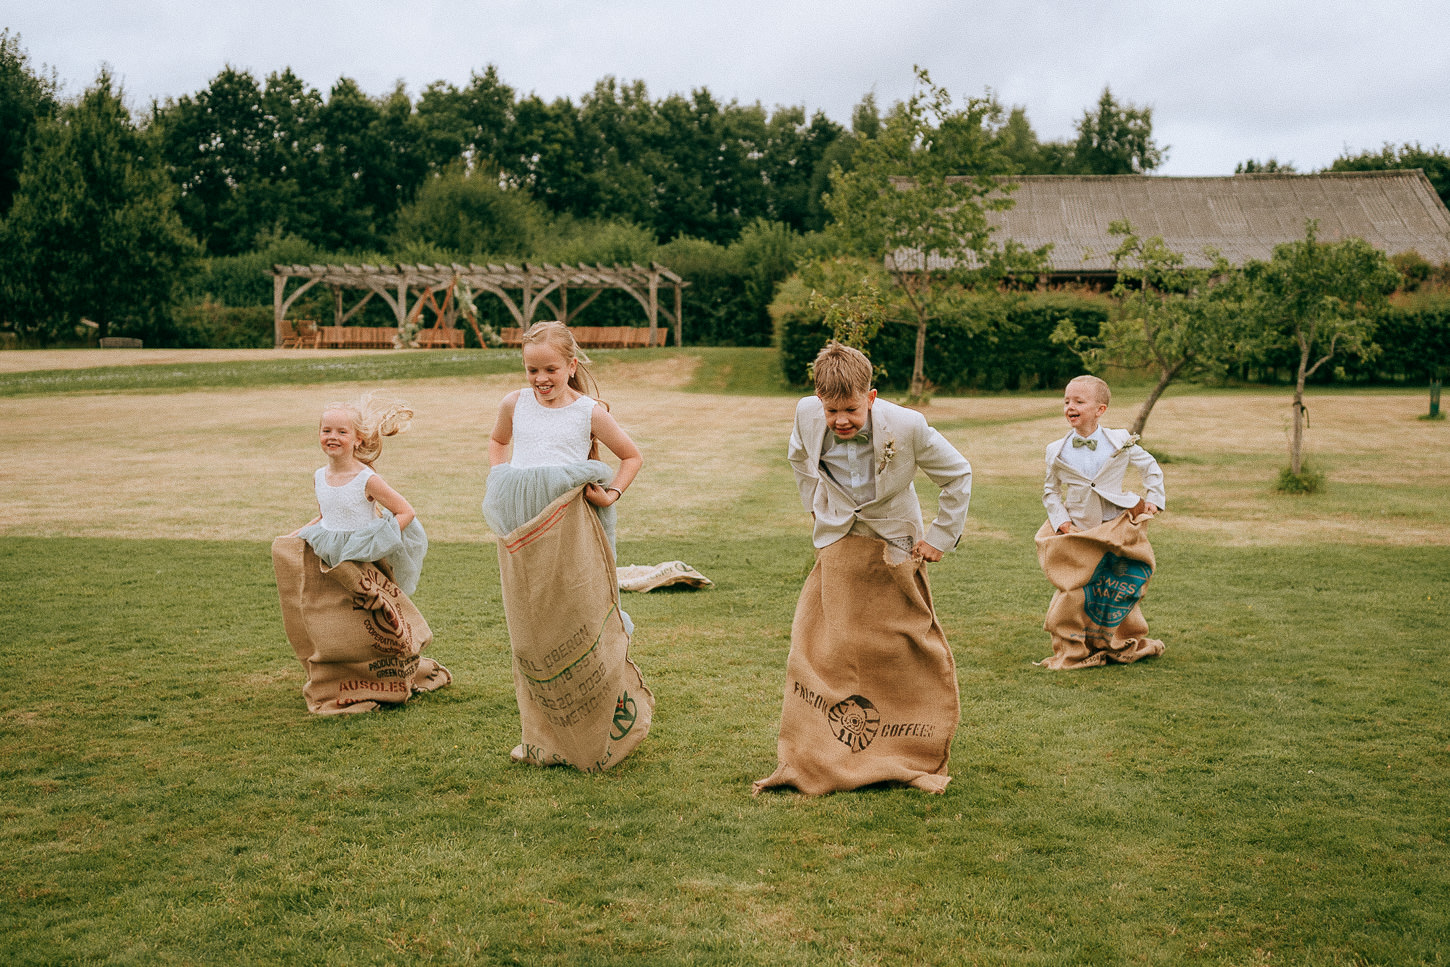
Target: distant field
{"type": "Point", "coordinates": [1270, 791]}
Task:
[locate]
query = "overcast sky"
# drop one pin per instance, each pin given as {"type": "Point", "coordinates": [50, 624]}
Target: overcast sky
{"type": "Point", "coordinates": [1227, 80]}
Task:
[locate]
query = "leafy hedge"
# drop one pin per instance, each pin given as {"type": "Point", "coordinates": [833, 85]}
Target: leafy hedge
{"type": "Point", "coordinates": [991, 341]}
{"type": "Point", "coordinates": [1414, 347]}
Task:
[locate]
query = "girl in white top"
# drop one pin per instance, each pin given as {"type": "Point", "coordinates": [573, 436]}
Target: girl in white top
{"type": "Point", "coordinates": [554, 428]}
{"type": "Point", "coordinates": [360, 517]}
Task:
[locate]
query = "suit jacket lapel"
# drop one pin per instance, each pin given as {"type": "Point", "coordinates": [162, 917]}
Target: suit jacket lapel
{"type": "Point", "coordinates": [880, 435]}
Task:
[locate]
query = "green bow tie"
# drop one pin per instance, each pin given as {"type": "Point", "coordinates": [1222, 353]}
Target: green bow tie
{"type": "Point", "coordinates": [1079, 441]}
{"type": "Point", "coordinates": [860, 437]}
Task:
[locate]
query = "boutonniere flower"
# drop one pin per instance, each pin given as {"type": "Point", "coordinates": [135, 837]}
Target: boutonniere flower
{"type": "Point", "coordinates": [887, 452]}
{"type": "Point", "coordinates": [1132, 439]}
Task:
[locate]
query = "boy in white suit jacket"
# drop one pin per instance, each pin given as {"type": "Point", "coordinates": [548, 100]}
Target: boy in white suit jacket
{"type": "Point", "coordinates": [1094, 546]}
{"type": "Point", "coordinates": [871, 686]}
{"type": "Point", "coordinates": [1085, 469]}
{"type": "Point", "coordinates": [855, 458]}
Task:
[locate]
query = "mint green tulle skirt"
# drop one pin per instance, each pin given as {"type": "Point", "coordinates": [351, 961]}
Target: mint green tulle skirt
{"type": "Point", "coordinates": [516, 495]}
{"type": "Point", "coordinates": [378, 541]}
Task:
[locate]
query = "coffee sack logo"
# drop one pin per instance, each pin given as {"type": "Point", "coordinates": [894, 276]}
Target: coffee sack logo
{"type": "Point", "coordinates": [854, 721]}
{"type": "Point", "coordinates": [626, 711]}
{"type": "Point", "coordinates": [1116, 585]}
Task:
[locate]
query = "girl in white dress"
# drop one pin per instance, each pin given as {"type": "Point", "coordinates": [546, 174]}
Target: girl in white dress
{"type": "Point", "coordinates": [582, 701]}
{"type": "Point", "coordinates": [360, 517]}
{"type": "Point", "coordinates": [555, 427]}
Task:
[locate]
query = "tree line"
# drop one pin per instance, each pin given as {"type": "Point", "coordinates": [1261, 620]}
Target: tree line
{"type": "Point", "coordinates": [113, 215]}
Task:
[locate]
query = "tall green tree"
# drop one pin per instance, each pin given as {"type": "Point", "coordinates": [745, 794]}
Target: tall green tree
{"type": "Point", "coordinates": [470, 215]}
{"type": "Point", "coordinates": [916, 197]}
{"type": "Point", "coordinates": [1115, 139]}
{"type": "Point", "coordinates": [1319, 300]}
{"type": "Point", "coordinates": [27, 97]}
{"type": "Point", "coordinates": [93, 231]}
{"type": "Point", "coordinates": [1168, 316]}
{"type": "Point", "coordinates": [212, 143]}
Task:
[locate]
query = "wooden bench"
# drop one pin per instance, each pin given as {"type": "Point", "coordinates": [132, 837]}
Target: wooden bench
{"type": "Point", "coordinates": [440, 339]}
{"type": "Point", "coordinates": [356, 337]}
{"type": "Point", "coordinates": [120, 342]}
{"type": "Point", "coordinates": [300, 335]}
{"type": "Point", "coordinates": [597, 337]}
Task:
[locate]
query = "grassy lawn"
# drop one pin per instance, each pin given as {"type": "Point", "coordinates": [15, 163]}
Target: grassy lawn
{"type": "Point", "coordinates": [1270, 791]}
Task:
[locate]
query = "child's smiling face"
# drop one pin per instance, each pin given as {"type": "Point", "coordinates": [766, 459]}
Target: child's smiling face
{"type": "Point", "coordinates": [548, 371]}
{"type": "Point", "coordinates": [1082, 407]}
{"type": "Point", "coordinates": [337, 434]}
{"type": "Point", "coordinates": [847, 416]}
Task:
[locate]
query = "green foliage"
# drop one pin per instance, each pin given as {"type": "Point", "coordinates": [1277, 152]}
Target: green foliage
{"type": "Point", "coordinates": [986, 341]}
{"type": "Point", "coordinates": [1272, 166]}
{"type": "Point", "coordinates": [1305, 482]}
{"type": "Point", "coordinates": [1318, 299]}
{"type": "Point", "coordinates": [211, 325]}
{"type": "Point", "coordinates": [1115, 139]}
{"type": "Point", "coordinates": [470, 214]}
{"type": "Point", "coordinates": [246, 279]}
{"type": "Point", "coordinates": [918, 193]}
{"type": "Point", "coordinates": [93, 231]}
{"type": "Point", "coordinates": [26, 99]}
{"type": "Point", "coordinates": [1168, 317]}
{"type": "Point", "coordinates": [572, 241]}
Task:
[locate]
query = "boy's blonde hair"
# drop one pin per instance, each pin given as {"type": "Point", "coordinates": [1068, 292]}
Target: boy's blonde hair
{"type": "Point", "coordinates": [374, 417]}
{"type": "Point", "coordinates": [1100, 387]}
{"type": "Point", "coordinates": [840, 372]}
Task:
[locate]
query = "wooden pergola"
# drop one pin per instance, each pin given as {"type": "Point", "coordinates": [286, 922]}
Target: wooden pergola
{"type": "Point", "coordinates": [408, 289]}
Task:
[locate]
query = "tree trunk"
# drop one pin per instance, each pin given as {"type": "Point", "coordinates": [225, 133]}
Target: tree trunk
{"type": "Point", "coordinates": [1165, 376]}
{"type": "Point", "coordinates": [918, 364]}
{"type": "Point", "coordinates": [1296, 438]}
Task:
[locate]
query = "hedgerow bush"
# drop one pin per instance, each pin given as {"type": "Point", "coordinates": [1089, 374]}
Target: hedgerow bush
{"type": "Point", "coordinates": [990, 341]}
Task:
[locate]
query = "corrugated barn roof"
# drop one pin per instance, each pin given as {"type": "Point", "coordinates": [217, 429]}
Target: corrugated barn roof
{"type": "Point", "coordinates": [1242, 216]}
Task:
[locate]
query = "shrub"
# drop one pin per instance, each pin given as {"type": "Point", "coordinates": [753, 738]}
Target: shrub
{"type": "Point", "coordinates": [210, 325]}
{"type": "Point", "coordinates": [990, 341]}
{"type": "Point", "coordinates": [1306, 481]}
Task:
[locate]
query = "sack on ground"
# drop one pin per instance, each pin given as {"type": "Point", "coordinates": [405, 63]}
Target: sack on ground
{"type": "Point", "coordinates": [358, 636]}
{"type": "Point", "coordinates": [643, 578]}
{"type": "Point", "coordinates": [1100, 574]}
{"type": "Point", "coordinates": [871, 685]}
{"type": "Point", "coordinates": [582, 702]}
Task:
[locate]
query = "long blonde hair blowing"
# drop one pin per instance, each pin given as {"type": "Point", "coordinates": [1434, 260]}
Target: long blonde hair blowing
{"type": "Point", "coordinates": [374, 417]}
{"type": "Point", "coordinates": [557, 336]}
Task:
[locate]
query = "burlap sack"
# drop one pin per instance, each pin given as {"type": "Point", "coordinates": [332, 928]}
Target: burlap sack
{"type": "Point", "coordinates": [644, 578]}
{"type": "Point", "coordinates": [358, 636]}
{"type": "Point", "coordinates": [870, 684]}
{"type": "Point", "coordinates": [1100, 575]}
{"type": "Point", "coordinates": [582, 702]}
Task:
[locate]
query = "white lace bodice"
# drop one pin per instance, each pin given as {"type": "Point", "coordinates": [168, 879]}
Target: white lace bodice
{"type": "Point", "coordinates": [549, 437]}
{"type": "Point", "coordinates": [344, 508]}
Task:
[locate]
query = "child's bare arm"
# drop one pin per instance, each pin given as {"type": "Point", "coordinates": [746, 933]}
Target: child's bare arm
{"type": "Point", "coordinates": [608, 432]}
{"type": "Point", "coordinates": [503, 431]}
{"type": "Point", "coordinates": [379, 490]}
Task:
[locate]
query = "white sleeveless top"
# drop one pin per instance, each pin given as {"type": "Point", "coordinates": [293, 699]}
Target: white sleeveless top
{"type": "Point", "coordinates": [550, 437]}
{"type": "Point", "coordinates": [344, 508]}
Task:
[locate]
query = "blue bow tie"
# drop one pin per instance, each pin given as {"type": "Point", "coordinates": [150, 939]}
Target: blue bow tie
{"type": "Point", "coordinates": [1079, 441]}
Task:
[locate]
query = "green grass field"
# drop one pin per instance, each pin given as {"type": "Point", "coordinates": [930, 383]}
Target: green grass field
{"type": "Point", "coordinates": [1272, 790]}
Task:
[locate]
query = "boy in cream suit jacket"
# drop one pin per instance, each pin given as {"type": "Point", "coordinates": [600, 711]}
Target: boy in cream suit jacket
{"type": "Point", "coordinates": [855, 458]}
{"type": "Point", "coordinates": [1094, 546]}
{"type": "Point", "coordinates": [1085, 469]}
{"type": "Point", "coordinates": [871, 685]}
